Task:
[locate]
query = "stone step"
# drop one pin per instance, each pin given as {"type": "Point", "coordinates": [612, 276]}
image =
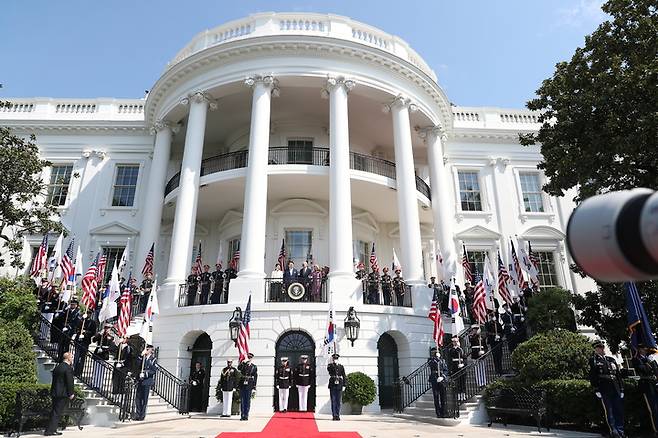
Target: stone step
{"type": "Point", "coordinates": [432, 419]}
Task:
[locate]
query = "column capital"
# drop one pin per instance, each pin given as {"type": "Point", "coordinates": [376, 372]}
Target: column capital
{"type": "Point", "coordinates": [199, 96]}
{"type": "Point", "coordinates": [400, 101]}
{"type": "Point", "coordinates": [161, 124]}
{"type": "Point", "coordinates": [268, 80]}
{"type": "Point", "coordinates": [429, 132]}
{"type": "Point", "coordinates": [337, 81]}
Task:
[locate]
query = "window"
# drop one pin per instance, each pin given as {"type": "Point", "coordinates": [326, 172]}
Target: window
{"type": "Point", "coordinates": [476, 259]}
{"type": "Point", "coordinates": [113, 254]}
{"type": "Point", "coordinates": [300, 151]}
{"type": "Point", "coordinates": [531, 190]}
{"type": "Point", "coordinates": [547, 274]}
{"type": "Point", "coordinates": [362, 253]}
{"type": "Point", "coordinates": [469, 191]}
{"type": "Point", "coordinates": [125, 183]}
{"type": "Point", "coordinates": [233, 247]}
{"type": "Point", "coordinates": [58, 189]}
{"type": "Point", "coordinates": [298, 246]}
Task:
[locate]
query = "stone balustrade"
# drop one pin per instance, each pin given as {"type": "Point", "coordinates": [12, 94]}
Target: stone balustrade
{"type": "Point", "coordinates": [73, 109]}
{"type": "Point", "coordinates": [496, 118]}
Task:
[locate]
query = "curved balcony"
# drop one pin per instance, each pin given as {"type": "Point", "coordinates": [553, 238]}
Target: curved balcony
{"type": "Point", "coordinates": [296, 155]}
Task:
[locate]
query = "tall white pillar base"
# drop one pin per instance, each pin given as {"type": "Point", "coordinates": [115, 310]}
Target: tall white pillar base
{"type": "Point", "coordinates": [346, 291]}
{"type": "Point", "coordinates": [241, 287]}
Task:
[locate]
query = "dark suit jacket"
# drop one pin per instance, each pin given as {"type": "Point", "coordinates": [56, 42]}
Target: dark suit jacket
{"type": "Point", "coordinates": [305, 275]}
{"type": "Point", "coordinates": [62, 385]}
{"type": "Point", "coordinates": [289, 278]}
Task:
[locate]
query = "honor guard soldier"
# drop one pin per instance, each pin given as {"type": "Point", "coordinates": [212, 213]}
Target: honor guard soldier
{"type": "Point", "coordinates": [478, 349]}
{"type": "Point", "coordinates": [438, 380]}
{"type": "Point", "coordinates": [82, 337]}
{"type": "Point", "coordinates": [399, 287]}
{"type": "Point", "coordinates": [647, 370]}
{"type": "Point", "coordinates": [145, 292]}
{"type": "Point", "coordinates": [197, 384]}
{"type": "Point", "coordinates": [145, 381]}
{"type": "Point", "coordinates": [387, 287]}
{"type": "Point", "coordinates": [337, 382]}
{"type": "Point", "coordinates": [605, 377]}
{"type": "Point", "coordinates": [283, 379]}
{"type": "Point", "coordinates": [204, 284]}
{"type": "Point", "coordinates": [457, 360]}
{"type": "Point", "coordinates": [303, 377]}
{"type": "Point", "coordinates": [69, 321]}
{"type": "Point", "coordinates": [123, 365]}
{"type": "Point", "coordinates": [360, 271]}
{"type": "Point", "coordinates": [192, 286]}
{"type": "Point", "coordinates": [49, 305]}
{"type": "Point", "coordinates": [229, 274]}
{"type": "Point", "coordinates": [248, 381]}
{"type": "Point", "coordinates": [495, 338]}
{"type": "Point", "coordinates": [217, 285]}
{"type": "Point", "coordinates": [373, 287]}
{"type": "Point", "coordinates": [104, 344]}
{"type": "Point", "coordinates": [228, 381]}
{"type": "Point", "coordinates": [508, 327]}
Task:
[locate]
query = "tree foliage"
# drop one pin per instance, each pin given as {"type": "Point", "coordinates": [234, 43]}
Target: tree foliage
{"type": "Point", "coordinates": [17, 360]}
{"type": "Point", "coordinates": [600, 109]}
{"type": "Point", "coordinates": [551, 309]}
{"type": "Point", "coordinates": [18, 302]}
{"type": "Point", "coordinates": [23, 207]}
{"type": "Point", "coordinates": [360, 390]}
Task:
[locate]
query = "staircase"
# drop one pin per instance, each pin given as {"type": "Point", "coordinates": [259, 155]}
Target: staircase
{"type": "Point", "coordinates": [423, 410]}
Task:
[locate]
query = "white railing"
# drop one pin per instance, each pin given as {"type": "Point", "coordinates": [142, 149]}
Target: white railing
{"type": "Point", "coordinates": [304, 25]}
{"type": "Point", "coordinates": [519, 118]}
{"type": "Point", "coordinates": [379, 39]}
{"type": "Point", "coordinates": [497, 118]}
{"type": "Point", "coordinates": [466, 116]}
{"type": "Point", "coordinates": [75, 108]}
{"type": "Point", "coordinates": [131, 108]}
{"type": "Point", "coordinates": [72, 109]}
{"type": "Point", "coordinates": [17, 107]}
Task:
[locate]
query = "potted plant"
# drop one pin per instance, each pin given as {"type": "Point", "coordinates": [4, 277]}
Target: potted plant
{"type": "Point", "coordinates": [360, 391]}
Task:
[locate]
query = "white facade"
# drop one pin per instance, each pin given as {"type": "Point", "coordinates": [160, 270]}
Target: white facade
{"type": "Point", "coordinates": [385, 155]}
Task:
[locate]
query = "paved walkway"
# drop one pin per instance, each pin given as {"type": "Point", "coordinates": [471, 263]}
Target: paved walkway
{"type": "Point", "coordinates": [368, 426]}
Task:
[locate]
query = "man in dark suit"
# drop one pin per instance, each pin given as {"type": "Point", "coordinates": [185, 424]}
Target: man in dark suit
{"type": "Point", "coordinates": [305, 277]}
{"type": "Point", "coordinates": [290, 275]}
{"type": "Point", "coordinates": [145, 381]}
{"type": "Point", "coordinates": [61, 390]}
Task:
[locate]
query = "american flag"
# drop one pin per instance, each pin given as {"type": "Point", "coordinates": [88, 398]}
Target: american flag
{"type": "Point", "coordinates": [90, 285]}
{"type": "Point", "coordinates": [100, 271]}
{"type": "Point", "coordinates": [68, 268]}
{"type": "Point", "coordinates": [148, 263]}
{"type": "Point", "coordinates": [198, 263]}
{"type": "Point", "coordinates": [282, 255]}
{"type": "Point", "coordinates": [517, 267]}
{"type": "Point", "coordinates": [503, 278]}
{"type": "Point", "coordinates": [373, 259]}
{"type": "Point", "coordinates": [435, 315]}
{"type": "Point", "coordinates": [40, 262]}
{"type": "Point", "coordinates": [124, 316]}
{"type": "Point", "coordinates": [479, 300]}
{"type": "Point", "coordinates": [468, 273]}
{"type": "Point", "coordinates": [534, 259]}
{"type": "Point", "coordinates": [244, 334]}
{"type": "Point", "coordinates": [236, 260]}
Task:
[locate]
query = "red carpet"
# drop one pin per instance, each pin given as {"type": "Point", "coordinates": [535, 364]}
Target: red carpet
{"type": "Point", "coordinates": [290, 425]}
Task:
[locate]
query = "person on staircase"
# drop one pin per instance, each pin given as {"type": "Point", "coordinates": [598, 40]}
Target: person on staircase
{"type": "Point", "coordinates": [145, 381]}
{"type": "Point", "coordinates": [104, 346]}
{"type": "Point", "coordinates": [438, 380]}
{"type": "Point", "coordinates": [457, 359]}
{"type": "Point", "coordinates": [197, 386]}
{"type": "Point", "coordinates": [478, 348]}
{"type": "Point", "coordinates": [82, 338]}
{"type": "Point", "coordinates": [123, 365]}
{"type": "Point", "coordinates": [68, 320]}
{"type": "Point", "coordinates": [228, 381]}
{"type": "Point", "coordinates": [145, 292]}
{"type": "Point", "coordinates": [494, 340]}
{"type": "Point", "coordinates": [282, 382]}
{"type": "Point", "coordinates": [509, 327]}
{"type": "Point", "coordinates": [248, 382]}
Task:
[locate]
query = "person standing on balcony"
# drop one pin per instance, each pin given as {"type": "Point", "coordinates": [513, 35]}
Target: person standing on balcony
{"type": "Point", "coordinates": [61, 390]}
{"type": "Point", "coordinates": [457, 361]}
{"type": "Point", "coordinates": [290, 276]}
{"type": "Point", "coordinates": [494, 339]}
{"type": "Point", "coordinates": [337, 382]}
{"type": "Point", "coordinates": [229, 274]}
{"type": "Point", "coordinates": [248, 382]}
{"type": "Point", "coordinates": [197, 384]}
{"type": "Point", "coordinates": [360, 271]}
{"type": "Point", "coordinates": [228, 381]}
{"type": "Point", "coordinates": [438, 380]}
{"type": "Point", "coordinates": [305, 277]}
{"type": "Point", "coordinates": [373, 287]}
{"type": "Point", "coordinates": [303, 377]}
{"type": "Point", "coordinates": [204, 283]}
{"type": "Point", "coordinates": [145, 381]}
{"type": "Point", "coordinates": [387, 287]}
{"type": "Point", "coordinates": [276, 284]}
{"type": "Point", "coordinates": [217, 285]}
{"type": "Point", "coordinates": [316, 284]}
{"type": "Point", "coordinates": [192, 286]}
{"type": "Point", "coordinates": [399, 287]}
{"type": "Point", "coordinates": [283, 379]}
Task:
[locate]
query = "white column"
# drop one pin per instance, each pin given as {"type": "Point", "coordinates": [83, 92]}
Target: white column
{"type": "Point", "coordinates": [188, 190]}
{"type": "Point", "coordinates": [410, 242]}
{"type": "Point", "coordinates": [152, 211]}
{"type": "Point", "coordinates": [254, 218]}
{"type": "Point", "coordinates": [340, 197]}
{"type": "Point", "coordinates": [441, 199]}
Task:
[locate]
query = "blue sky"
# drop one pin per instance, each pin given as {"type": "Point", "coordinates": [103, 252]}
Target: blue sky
{"type": "Point", "coordinates": [485, 53]}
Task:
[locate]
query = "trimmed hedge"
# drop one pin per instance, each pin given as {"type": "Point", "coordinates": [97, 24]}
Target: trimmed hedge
{"type": "Point", "coordinates": [360, 390]}
{"type": "Point", "coordinates": [17, 360]}
{"type": "Point", "coordinates": [18, 302]}
{"type": "Point", "coordinates": [551, 309]}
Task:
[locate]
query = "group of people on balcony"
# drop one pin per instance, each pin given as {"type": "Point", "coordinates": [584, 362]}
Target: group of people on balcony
{"type": "Point", "coordinates": [207, 287]}
{"type": "Point", "coordinates": [382, 289]}
{"type": "Point", "coordinates": [311, 279]}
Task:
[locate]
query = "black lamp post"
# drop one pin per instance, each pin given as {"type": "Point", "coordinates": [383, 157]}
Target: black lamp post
{"type": "Point", "coordinates": [352, 325]}
{"type": "Point", "coordinates": [234, 324]}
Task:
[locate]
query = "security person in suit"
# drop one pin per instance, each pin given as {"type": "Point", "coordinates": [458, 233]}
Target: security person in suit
{"type": "Point", "coordinates": [303, 378]}
{"type": "Point", "coordinates": [218, 285]}
{"type": "Point", "coordinates": [457, 360]}
{"type": "Point", "coordinates": [605, 377]}
{"type": "Point", "coordinates": [290, 276]}
{"type": "Point", "coordinates": [647, 370]}
{"type": "Point", "coordinates": [61, 390]}
{"type": "Point", "coordinates": [438, 380]}
{"type": "Point", "coordinates": [197, 384]}
{"type": "Point", "coordinates": [228, 381]}
{"type": "Point", "coordinates": [145, 380]}
{"type": "Point", "coordinates": [192, 286]}
{"type": "Point", "coordinates": [204, 283]}
{"type": "Point", "coordinates": [282, 380]}
{"type": "Point", "coordinates": [248, 382]}
{"type": "Point", "coordinates": [337, 382]}
{"type": "Point", "coordinates": [387, 287]}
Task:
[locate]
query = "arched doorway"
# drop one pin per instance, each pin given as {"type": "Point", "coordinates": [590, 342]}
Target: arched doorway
{"type": "Point", "coordinates": [387, 369]}
{"type": "Point", "coordinates": [201, 353]}
{"type": "Point", "coordinates": [292, 345]}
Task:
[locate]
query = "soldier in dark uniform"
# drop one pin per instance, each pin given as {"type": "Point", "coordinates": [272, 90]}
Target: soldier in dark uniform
{"type": "Point", "coordinates": [494, 338]}
{"type": "Point", "coordinates": [192, 286]}
{"type": "Point", "coordinates": [438, 380]}
{"type": "Point", "coordinates": [647, 370]}
{"type": "Point", "coordinates": [82, 338]}
{"type": "Point", "coordinates": [373, 287]}
{"type": "Point", "coordinates": [478, 348]}
{"type": "Point", "coordinates": [217, 285]}
{"type": "Point", "coordinates": [519, 321]}
{"type": "Point", "coordinates": [282, 381]}
{"type": "Point", "coordinates": [248, 382]}
{"type": "Point", "coordinates": [123, 365]}
{"type": "Point", "coordinates": [145, 292]}
{"type": "Point", "coordinates": [69, 321]}
{"type": "Point", "coordinates": [399, 288]}
{"type": "Point", "coordinates": [197, 385]}
{"type": "Point", "coordinates": [303, 375]}
{"type": "Point", "coordinates": [204, 282]}
{"type": "Point", "coordinates": [605, 377]}
{"type": "Point", "coordinates": [337, 381]}
{"type": "Point", "coordinates": [387, 287]}
{"type": "Point", "coordinates": [360, 271]}
{"type": "Point", "coordinates": [228, 381]}
{"type": "Point", "coordinates": [457, 360]}
{"type": "Point", "coordinates": [229, 274]}
{"type": "Point", "coordinates": [509, 329]}
{"type": "Point", "coordinates": [145, 381]}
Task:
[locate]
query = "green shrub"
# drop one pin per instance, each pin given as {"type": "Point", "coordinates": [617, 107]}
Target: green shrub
{"type": "Point", "coordinates": [17, 360]}
{"type": "Point", "coordinates": [556, 354]}
{"type": "Point", "coordinates": [18, 302]}
{"type": "Point", "coordinates": [551, 309]}
{"type": "Point", "coordinates": [360, 390]}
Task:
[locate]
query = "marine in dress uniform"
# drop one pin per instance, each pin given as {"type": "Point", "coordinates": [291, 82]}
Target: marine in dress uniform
{"type": "Point", "coordinates": [387, 287]}
{"type": "Point", "coordinates": [438, 380]}
{"type": "Point", "coordinates": [204, 283]}
{"type": "Point", "coordinates": [399, 288]}
{"type": "Point", "coordinates": [217, 285]}
{"type": "Point", "coordinates": [123, 365]}
{"type": "Point", "coordinates": [197, 385]}
{"type": "Point", "coordinates": [605, 377]}
{"type": "Point", "coordinates": [145, 380]}
{"type": "Point", "coordinates": [303, 378]}
{"type": "Point", "coordinates": [373, 287]}
{"type": "Point", "coordinates": [228, 381]}
{"type": "Point", "coordinates": [192, 286]}
{"type": "Point", "coordinates": [457, 360]}
{"type": "Point", "coordinates": [248, 382]}
{"type": "Point", "coordinates": [494, 338]}
{"type": "Point", "coordinates": [282, 380]}
{"type": "Point", "coordinates": [337, 381]}
{"type": "Point", "coordinates": [647, 370]}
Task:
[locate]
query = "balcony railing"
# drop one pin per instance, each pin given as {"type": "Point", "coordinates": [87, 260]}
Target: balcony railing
{"type": "Point", "coordinates": [373, 294]}
{"type": "Point", "coordinates": [276, 291]}
{"type": "Point", "coordinates": [297, 155]}
{"type": "Point", "coordinates": [194, 295]}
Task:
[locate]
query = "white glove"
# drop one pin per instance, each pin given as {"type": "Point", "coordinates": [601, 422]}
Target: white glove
{"type": "Point", "coordinates": [621, 395]}
{"type": "Point", "coordinates": [119, 365]}
{"type": "Point", "coordinates": [65, 329]}
{"type": "Point", "coordinates": [439, 379]}
{"type": "Point", "coordinates": [522, 319]}
{"type": "Point", "coordinates": [461, 365]}
{"type": "Point", "coordinates": [194, 382]}
{"type": "Point", "coordinates": [598, 394]}
{"type": "Point", "coordinates": [75, 335]}
{"type": "Point", "coordinates": [497, 337]}
{"type": "Point", "coordinates": [82, 336]}
{"type": "Point", "coordinates": [481, 353]}
{"type": "Point", "coordinates": [141, 375]}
